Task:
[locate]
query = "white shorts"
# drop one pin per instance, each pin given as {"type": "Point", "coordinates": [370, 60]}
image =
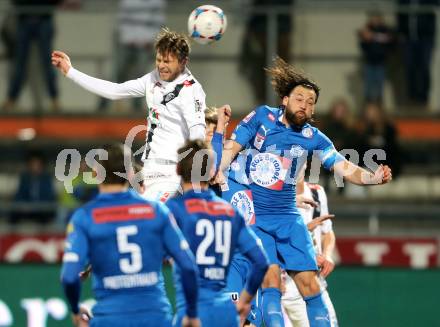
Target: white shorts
{"type": "Point", "coordinates": [160, 181]}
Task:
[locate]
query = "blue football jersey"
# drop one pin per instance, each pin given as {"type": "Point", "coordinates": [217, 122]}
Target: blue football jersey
{"type": "Point", "coordinates": [213, 229]}
{"type": "Point", "coordinates": [125, 239]}
{"type": "Point", "coordinates": [274, 153]}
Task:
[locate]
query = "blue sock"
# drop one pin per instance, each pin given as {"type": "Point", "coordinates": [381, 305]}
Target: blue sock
{"type": "Point", "coordinates": [317, 311]}
{"type": "Point", "coordinates": [271, 307]}
{"type": "Point", "coordinates": [255, 317]}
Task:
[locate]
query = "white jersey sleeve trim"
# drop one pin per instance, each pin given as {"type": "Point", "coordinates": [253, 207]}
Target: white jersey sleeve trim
{"type": "Point", "coordinates": [109, 90]}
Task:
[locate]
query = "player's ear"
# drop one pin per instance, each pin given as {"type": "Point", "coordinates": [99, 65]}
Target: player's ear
{"type": "Point", "coordinates": [285, 101]}
{"type": "Point", "coordinates": [184, 61]}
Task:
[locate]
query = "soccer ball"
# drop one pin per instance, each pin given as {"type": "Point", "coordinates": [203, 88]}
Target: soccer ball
{"type": "Point", "coordinates": [207, 24]}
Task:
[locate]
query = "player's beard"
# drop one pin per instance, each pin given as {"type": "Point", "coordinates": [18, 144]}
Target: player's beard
{"type": "Point", "coordinates": [297, 119]}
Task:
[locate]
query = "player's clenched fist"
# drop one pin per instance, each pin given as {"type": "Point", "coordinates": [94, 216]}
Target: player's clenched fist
{"type": "Point", "coordinates": [61, 61]}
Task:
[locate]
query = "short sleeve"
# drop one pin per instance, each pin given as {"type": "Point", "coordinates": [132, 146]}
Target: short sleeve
{"type": "Point", "coordinates": [247, 128]}
{"type": "Point", "coordinates": [328, 154]}
{"type": "Point", "coordinates": [193, 104]}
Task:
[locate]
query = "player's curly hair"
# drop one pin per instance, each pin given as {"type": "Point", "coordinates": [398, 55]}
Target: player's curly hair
{"type": "Point", "coordinates": [168, 41]}
{"type": "Point", "coordinates": [285, 78]}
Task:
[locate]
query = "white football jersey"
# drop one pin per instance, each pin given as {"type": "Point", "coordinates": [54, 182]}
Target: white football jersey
{"type": "Point", "coordinates": [317, 193]}
{"type": "Point", "coordinates": [174, 107]}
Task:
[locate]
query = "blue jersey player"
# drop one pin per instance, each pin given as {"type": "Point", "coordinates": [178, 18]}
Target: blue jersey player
{"type": "Point", "coordinates": [214, 229]}
{"type": "Point", "coordinates": [280, 139]}
{"type": "Point", "coordinates": [125, 238]}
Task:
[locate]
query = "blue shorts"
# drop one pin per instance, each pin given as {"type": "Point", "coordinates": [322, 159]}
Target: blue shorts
{"type": "Point", "coordinates": [287, 241]}
{"type": "Point", "coordinates": [219, 312]}
{"type": "Point", "coordinates": [240, 196]}
{"type": "Point", "coordinates": [151, 319]}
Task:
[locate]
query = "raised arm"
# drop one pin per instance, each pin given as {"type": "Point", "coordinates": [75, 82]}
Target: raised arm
{"type": "Point", "coordinates": [360, 176]}
{"type": "Point", "coordinates": [106, 89]}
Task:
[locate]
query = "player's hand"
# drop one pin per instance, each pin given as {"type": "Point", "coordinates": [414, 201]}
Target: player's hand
{"type": "Point", "coordinates": [190, 322]}
{"type": "Point", "coordinates": [61, 61]}
{"type": "Point", "coordinates": [243, 310]}
{"type": "Point", "coordinates": [82, 318]}
{"type": "Point", "coordinates": [382, 175]}
{"type": "Point", "coordinates": [83, 275]}
{"type": "Point", "coordinates": [387, 174]}
{"type": "Point", "coordinates": [219, 178]}
{"type": "Point", "coordinates": [224, 113]}
{"type": "Point", "coordinates": [243, 306]}
{"type": "Point", "coordinates": [326, 264]}
{"type": "Point", "coordinates": [305, 202]}
{"type": "Point", "coordinates": [318, 221]}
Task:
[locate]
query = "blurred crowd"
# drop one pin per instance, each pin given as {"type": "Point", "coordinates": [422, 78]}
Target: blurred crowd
{"type": "Point", "coordinates": [409, 42]}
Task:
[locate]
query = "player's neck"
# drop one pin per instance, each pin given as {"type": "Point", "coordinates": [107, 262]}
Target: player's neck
{"type": "Point", "coordinates": [112, 188]}
{"type": "Point", "coordinates": [194, 187]}
{"type": "Point", "coordinates": [284, 121]}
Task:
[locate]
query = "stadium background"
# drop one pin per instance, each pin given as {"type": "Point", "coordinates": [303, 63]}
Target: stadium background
{"type": "Point", "coordinates": [388, 237]}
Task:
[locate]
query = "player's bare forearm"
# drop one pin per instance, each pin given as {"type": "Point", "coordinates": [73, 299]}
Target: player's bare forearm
{"type": "Point", "coordinates": [230, 151]}
{"type": "Point", "coordinates": [328, 243]}
{"type": "Point", "coordinates": [360, 176]}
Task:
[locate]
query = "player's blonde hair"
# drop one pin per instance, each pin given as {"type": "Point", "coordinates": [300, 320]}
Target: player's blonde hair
{"type": "Point", "coordinates": [285, 78]}
{"type": "Point", "coordinates": [168, 41]}
{"type": "Point", "coordinates": [211, 116]}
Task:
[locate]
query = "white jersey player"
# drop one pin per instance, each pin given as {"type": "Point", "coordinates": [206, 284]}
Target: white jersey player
{"type": "Point", "coordinates": [320, 227]}
{"type": "Point", "coordinates": [176, 103]}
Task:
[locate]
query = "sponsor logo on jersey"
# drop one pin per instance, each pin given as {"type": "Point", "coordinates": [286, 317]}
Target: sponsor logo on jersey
{"type": "Point", "coordinates": [249, 117]}
{"type": "Point", "coordinates": [210, 208]}
{"type": "Point", "coordinates": [198, 105]}
{"type": "Point", "coordinates": [259, 140]}
{"type": "Point", "coordinates": [242, 201]}
{"type": "Point", "coordinates": [296, 151]}
{"type": "Point", "coordinates": [307, 132]}
{"type": "Point", "coordinates": [269, 170]}
{"type": "Point", "coordinates": [271, 117]}
{"type": "Point", "coordinates": [122, 213]}
{"type": "Point", "coordinates": [234, 296]}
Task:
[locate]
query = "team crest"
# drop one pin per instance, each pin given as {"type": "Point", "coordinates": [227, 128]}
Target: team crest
{"type": "Point", "coordinates": [307, 132]}
{"type": "Point", "coordinates": [296, 151]}
{"type": "Point", "coordinates": [168, 97]}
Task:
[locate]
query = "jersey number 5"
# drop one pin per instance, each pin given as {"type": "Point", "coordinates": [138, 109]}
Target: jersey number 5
{"type": "Point", "coordinates": [220, 233]}
{"type": "Point", "coordinates": [134, 264]}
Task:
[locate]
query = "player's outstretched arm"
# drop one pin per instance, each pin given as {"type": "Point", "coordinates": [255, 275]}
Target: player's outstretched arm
{"type": "Point", "coordinates": [325, 260]}
{"type": "Point", "coordinates": [106, 89]}
{"type": "Point", "coordinates": [360, 176]}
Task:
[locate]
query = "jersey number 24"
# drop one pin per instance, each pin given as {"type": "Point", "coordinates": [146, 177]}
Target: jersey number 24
{"type": "Point", "coordinates": [219, 233]}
